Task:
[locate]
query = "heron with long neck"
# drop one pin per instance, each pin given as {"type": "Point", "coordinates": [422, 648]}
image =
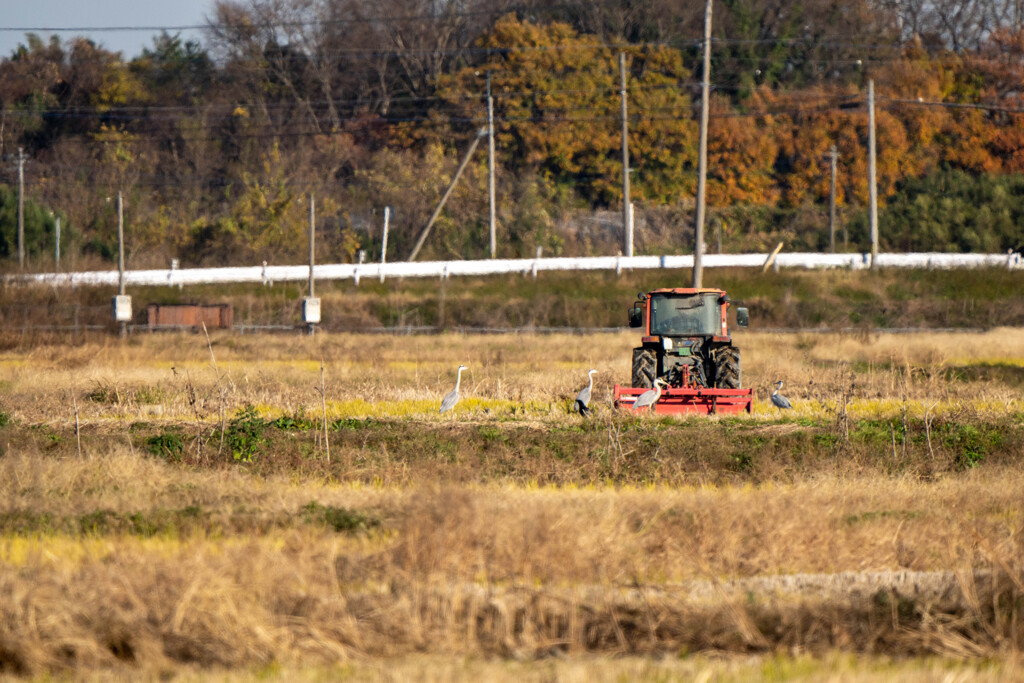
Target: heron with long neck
{"type": "Point", "coordinates": [651, 396]}
{"type": "Point", "coordinates": [778, 400]}
{"type": "Point", "coordinates": [449, 401]}
{"type": "Point", "coordinates": [582, 404]}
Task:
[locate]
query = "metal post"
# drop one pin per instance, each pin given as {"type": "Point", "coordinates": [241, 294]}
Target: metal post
{"type": "Point", "coordinates": [629, 230]}
{"type": "Point", "coordinates": [490, 165]}
{"type": "Point", "coordinates": [384, 242]}
{"type": "Point", "coordinates": [833, 157]}
{"type": "Point", "coordinates": [312, 238]}
{"type": "Point", "coordinates": [311, 305]}
{"type": "Point", "coordinates": [120, 255]}
{"type": "Point", "coordinates": [702, 162]}
{"type": "Point", "coordinates": [21, 208]}
{"type": "Point", "coordinates": [872, 181]}
{"type": "Point", "coordinates": [627, 242]}
{"type": "Point", "coordinates": [56, 231]}
{"type": "Point", "coordinates": [120, 244]}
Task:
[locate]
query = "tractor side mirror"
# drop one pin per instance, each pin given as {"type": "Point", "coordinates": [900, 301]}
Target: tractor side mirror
{"type": "Point", "coordinates": [636, 317]}
{"type": "Point", "coordinates": [742, 316]}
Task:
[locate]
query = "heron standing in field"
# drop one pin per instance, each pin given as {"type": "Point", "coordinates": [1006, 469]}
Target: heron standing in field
{"type": "Point", "coordinates": [780, 401]}
{"type": "Point", "coordinates": [582, 404]}
{"type": "Point", "coordinates": [449, 401]}
{"type": "Point", "coordinates": [651, 396]}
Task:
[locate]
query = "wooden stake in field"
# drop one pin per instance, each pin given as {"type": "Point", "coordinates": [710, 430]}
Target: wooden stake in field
{"type": "Point", "coordinates": [78, 431]}
{"type": "Point", "coordinates": [220, 389]}
{"type": "Point", "coordinates": [193, 402]}
{"type": "Point", "coordinates": [323, 404]}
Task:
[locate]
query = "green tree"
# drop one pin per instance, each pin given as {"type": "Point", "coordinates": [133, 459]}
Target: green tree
{"type": "Point", "coordinates": [39, 225]}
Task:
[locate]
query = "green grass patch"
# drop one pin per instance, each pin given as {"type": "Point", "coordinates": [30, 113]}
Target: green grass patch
{"type": "Point", "coordinates": [339, 519]}
{"type": "Point", "coordinates": [167, 444]}
{"type": "Point", "coordinates": [875, 515]}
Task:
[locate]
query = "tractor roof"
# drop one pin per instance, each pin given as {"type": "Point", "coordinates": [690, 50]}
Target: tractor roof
{"type": "Point", "coordinates": [686, 290]}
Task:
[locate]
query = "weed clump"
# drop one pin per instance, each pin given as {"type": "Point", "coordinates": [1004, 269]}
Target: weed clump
{"type": "Point", "coordinates": [337, 518]}
{"type": "Point", "coordinates": [167, 445]}
{"type": "Point", "coordinates": [246, 434]}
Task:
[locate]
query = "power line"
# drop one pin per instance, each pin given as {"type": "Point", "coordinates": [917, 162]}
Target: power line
{"type": "Point", "coordinates": [954, 105]}
{"type": "Point", "coordinates": [792, 105]}
{"type": "Point", "coordinates": [125, 112]}
{"type": "Point", "coordinates": [256, 25]}
{"type": "Point", "coordinates": [227, 110]}
{"type": "Point", "coordinates": [650, 114]}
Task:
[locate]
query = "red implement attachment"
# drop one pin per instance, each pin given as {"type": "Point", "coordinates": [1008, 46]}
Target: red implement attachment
{"type": "Point", "coordinates": [682, 401]}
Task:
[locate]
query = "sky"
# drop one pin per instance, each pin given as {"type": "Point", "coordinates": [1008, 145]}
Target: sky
{"type": "Point", "coordinates": [93, 18]}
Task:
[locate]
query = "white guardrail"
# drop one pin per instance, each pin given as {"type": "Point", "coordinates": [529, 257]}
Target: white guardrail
{"type": "Point", "coordinates": [268, 274]}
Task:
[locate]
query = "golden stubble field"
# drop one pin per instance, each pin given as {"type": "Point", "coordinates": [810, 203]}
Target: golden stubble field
{"type": "Point", "coordinates": [442, 547]}
{"type": "Point", "coordinates": [392, 376]}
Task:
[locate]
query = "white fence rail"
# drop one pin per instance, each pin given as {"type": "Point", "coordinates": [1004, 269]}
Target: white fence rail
{"type": "Point", "coordinates": [268, 274]}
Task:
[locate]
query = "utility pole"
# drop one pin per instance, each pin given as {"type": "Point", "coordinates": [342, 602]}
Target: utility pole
{"type": "Point", "coordinates": [627, 242]}
{"type": "Point", "coordinates": [312, 244]}
{"type": "Point", "coordinates": [833, 159]}
{"type": "Point", "coordinates": [122, 303]}
{"type": "Point", "coordinates": [21, 208]}
{"type": "Point", "coordinates": [311, 304]}
{"type": "Point", "coordinates": [872, 181]}
{"type": "Point", "coordinates": [490, 164]}
{"type": "Point", "coordinates": [384, 241]}
{"type": "Point", "coordinates": [120, 245]}
{"type": "Point", "coordinates": [702, 163]}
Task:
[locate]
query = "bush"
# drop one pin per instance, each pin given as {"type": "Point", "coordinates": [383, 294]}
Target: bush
{"type": "Point", "coordinates": [245, 434]}
{"type": "Point", "coordinates": [168, 445]}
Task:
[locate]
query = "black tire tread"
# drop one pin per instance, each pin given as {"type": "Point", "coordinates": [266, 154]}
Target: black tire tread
{"type": "Point", "coordinates": [645, 365]}
{"type": "Point", "coordinates": [727, 372]}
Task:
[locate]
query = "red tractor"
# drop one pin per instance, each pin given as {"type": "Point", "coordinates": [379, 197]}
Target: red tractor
{"type": "Point", "coordinates": [687, 344]}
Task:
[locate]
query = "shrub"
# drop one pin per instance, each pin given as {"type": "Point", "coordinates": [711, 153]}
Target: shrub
{"type": "Point", "coordinates": [245, 434]}
{"type": "Point", "coordinates": [168, 445]}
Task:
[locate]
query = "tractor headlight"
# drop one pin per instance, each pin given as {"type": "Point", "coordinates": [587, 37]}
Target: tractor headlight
{"type": "Point", "coordinates": [667, 343]}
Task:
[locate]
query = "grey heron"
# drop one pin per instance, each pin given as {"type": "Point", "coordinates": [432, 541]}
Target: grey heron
{"type": "Point", "coordinates": [651, 396]}
{"type": "Point", "coordinates": [780, 401]}
{"type": "Point", "coordinates": [582, 404]}
{"type": "Point", "coordinates": [449, 401]}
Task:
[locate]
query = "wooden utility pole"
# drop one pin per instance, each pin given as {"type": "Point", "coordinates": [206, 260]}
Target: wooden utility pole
{"type": "Point", "coordinates": [627, 245]}
{"type": "Point", "coordinates": [21, 208]}
{"type": "Point", "coordinates": [490, 166]}
{"type": "Point", "coordinates": [833, 159]}
{"type": "Point", "coordinates": [872, 181]}
{"type": "Point", "coordinates": [702, 163]}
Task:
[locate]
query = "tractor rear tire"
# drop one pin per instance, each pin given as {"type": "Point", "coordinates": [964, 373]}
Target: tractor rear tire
{"type": "Point", "coordinates": [645, 367]}
{"type": "Point", "coordinates": [727, 372]}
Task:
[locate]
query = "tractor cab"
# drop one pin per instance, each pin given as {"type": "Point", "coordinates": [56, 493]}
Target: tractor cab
{"type": "Point", "coordinates": [685, 313]}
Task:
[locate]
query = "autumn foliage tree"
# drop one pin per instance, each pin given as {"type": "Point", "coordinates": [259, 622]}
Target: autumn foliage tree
{"type": "Point", "coordinates": [218, 147]}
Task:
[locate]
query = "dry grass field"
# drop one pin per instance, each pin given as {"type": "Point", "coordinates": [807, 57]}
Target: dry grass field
{"type": "Point", "coordinates": [288, 508]}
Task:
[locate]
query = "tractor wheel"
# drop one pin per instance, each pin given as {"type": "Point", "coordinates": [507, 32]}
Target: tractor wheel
{"type": "Point", "coordinates": [645, 365]}
{"type": "Point", "coordinates": [727, 372]}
